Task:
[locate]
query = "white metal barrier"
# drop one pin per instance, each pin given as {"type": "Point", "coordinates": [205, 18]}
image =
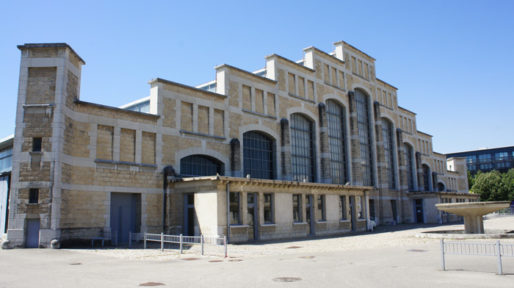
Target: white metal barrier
{"type": "Point", "coordinates": [497, 249]}
{"type": "Point", "coordinates": [182, 240]}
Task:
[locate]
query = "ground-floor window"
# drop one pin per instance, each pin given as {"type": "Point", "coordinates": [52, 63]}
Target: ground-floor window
{"type": "Point", "coordinates": [297, 208]}
{"type": "Point", "coordinates": [321, 208]}
{"type": "Point", "coordinates": [234, 208]}
{"type": "Point", "coordinates": [372, 209]}
{"type": "Point", "coordinates": [268, 208]}
{"type": "Point", "coordinates": [360, 207]}
{"type": "Point", "coordinates": [342, 207]}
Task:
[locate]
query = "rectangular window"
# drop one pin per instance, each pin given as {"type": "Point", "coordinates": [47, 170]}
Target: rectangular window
{"type": "Point", "coordinates": [360, 207]}
{"type": "Point", "coordinates": [234, 208]}
{"type": "Point", "coordinates": [500, 156]}
{"type": "Point", "coordinates": [297, 208]}
{"type": "Point", "coordinates": [342, 207]}
{"type": "Point", "coordinates": [268, 208]}
{"type": "Point", "coordinates": [484, 158]}
{"type": "Point", "coordinates": [33, 196]}
{"type": "Point", "coordinates": [36, 144]}
{"type": "Point", "coordinates": [334, 76]}
{"type": "Point", "coordinates": [247, 98]}
{"type": "Point", "coordinates": [321, 208]}
{"type": "Point", "coordinates": [326, 73]}
{"type": "Point", "coordinates": [301, 87]}
{"type": "Point", "coordinates": [292, 83]}
{"type": "Point", "coordinates": [341, 80]}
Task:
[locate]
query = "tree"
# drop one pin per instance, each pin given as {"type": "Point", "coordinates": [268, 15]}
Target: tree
{"type": "Point", "coordinates": [508, 184]}
{"type": "Point", "coordinates": [490, 186]}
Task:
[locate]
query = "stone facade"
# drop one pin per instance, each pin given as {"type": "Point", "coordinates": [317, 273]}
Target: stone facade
{"type": "Point", "coordinates": [90, 163]}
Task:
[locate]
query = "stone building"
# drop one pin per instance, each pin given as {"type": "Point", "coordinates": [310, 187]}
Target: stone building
{"type": "Point", "coordinates": [311, 147]}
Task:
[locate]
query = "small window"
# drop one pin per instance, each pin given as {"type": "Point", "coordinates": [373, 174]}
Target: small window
{"type": "Point", "coordinates": [268, 208]}
{"type": "Point", "coordinates": [342, 207]}
{"type": "Point", "coordinates": [360, 207]}
{"type": "Point", "coordinates": [34, 195]}
{"type": "Point", "coordinates": [297, 208]}
{"type": "Point", "coordinates": [321, 208]}
{"type": "Point", "coordinates": [36, 144]}
{"type": "Point", "coordinates": [234, 208]}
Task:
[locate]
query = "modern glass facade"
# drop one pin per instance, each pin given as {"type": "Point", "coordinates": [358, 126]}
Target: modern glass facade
{"type": "Point", "coordinates": [485, 160]}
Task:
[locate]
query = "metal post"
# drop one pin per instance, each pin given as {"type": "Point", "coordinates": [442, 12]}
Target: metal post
{"type": "Point", "coordinates": [225, 242]}
{"type": "Point", "coordinates": [201, 242]}
{"type": "Point", "coordinates": [443, 264]}
{"type": "Point", "coordinates": [162, 241]}
{"type": "Point", "coordinates": [130, 239]}
{"type": "Point", "coordinates": [144, 238]}
{"type": "Point", "coordinates": [499, 252]}
{"type": "Point", "coordinates": [180, 243]}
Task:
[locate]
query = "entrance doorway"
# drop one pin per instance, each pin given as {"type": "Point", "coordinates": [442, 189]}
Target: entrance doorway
{"type": "Point", "coordinates": [394, 210]}
{"type": "Point", "coordinates": [418, 204]}
{"type": "Point", "coordinates": [353, 215]}
{"type": "Point", "coordinates": [32, 240]}
{"type": "Point", "coordinates": [189, 214]}
{"type": "Point", "coordinates": [252, 216]}
{"type": "Point", "coordinates": [309, 215]}
{"type": "Point", "coordinates": [125, 216]}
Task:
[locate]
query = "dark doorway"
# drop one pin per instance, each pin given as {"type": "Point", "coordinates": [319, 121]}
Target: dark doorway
{"type": "Point", "coordinates": [189, 214]}
{"type": "Point", "coordinates": [394, 211]}
{"type": "Point", "coordinates": [252, 216]}
{"type": "Point", "coordinates": [419, 210]}
{"type": "Point", "coordinates": [372, 209]}
{"type": "Point", "coordinates": [32, 240]}
{"type": "Point", "coordinates": [352, 213]}
{"type": "Point", "coordinates": [125, 216]}
{"type": "Point", "coordinates": [309, 215]}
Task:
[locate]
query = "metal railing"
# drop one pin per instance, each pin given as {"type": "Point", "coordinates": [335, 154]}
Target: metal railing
{"type": "Point", "coordinates": [182, 240]}
{"type": "Point", "coordinates": [497, 249]}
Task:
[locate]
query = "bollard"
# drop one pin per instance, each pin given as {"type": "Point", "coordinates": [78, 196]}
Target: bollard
{"type": "Point", "coordinates": [443, 264]}
{"type": "Point", "coordinates": [180, 243]}
{"type": "Point", "coordinates": [225, 242]}
{"type": "Point", "coordinates": [144, 240]}
{"type": "Point", "coordinates": [201, 242]}
{"type": "Point", "coordinates": [499, 252]}
{"type": "Point", "coordinates": [130, 239]}
{"type": "Point", "coordinates": [162, 241]}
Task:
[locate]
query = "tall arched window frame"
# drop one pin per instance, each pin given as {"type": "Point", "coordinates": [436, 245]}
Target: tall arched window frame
{"type": "Point", "coordinates": [303, 163]}
{"type": "Point", "coordinates": [363, 123]}
{"type": "Point", "coordinates": [426, 177]}
{"type": "Point", "coordinates": [201, 165]}
{"type": "Point", "coordinates": [258, 155]}
{"type": "Point", "coordinates": [387, 138]}
{"type": "Point", "coordinates": [336, 119]}
{"type": "Point", "coordinates": [410, 165]}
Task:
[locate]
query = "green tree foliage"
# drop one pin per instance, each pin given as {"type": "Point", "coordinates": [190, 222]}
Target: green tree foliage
{"type": "Point", "coordinates": [493, 186]}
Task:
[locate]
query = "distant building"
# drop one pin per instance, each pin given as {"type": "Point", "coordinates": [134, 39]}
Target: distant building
{"type": "Point", "coordinates": [5, 181]}
{"type": "Point", "coordinates": [485, 160]}
{"type": "Point", "coordinates": [311, 147]}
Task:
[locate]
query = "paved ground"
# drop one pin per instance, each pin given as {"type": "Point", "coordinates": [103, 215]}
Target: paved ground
{"type": "Point", "coordinates": [391, 257]}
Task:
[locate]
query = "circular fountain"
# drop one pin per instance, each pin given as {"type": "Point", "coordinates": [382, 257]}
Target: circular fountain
{"type": "Point", "coordinates": [473, 212]}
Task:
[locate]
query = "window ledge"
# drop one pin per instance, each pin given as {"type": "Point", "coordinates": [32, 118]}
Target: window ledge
{"type": "Point", "coordinates": [344, 221]}
{"type": "Point", "coordinates": [103, 161]}
{"type": "Point", "coordinates": [259, 114]}
{"type": "Point", "coordinates": [361, 219]}
{"type": "Point", "coordinates": [36, 152]}
{"type": "Point", "coordinates": [268, 225]}
{"type": "Point", "coordinates": [334, 86]}
{"type": "Point", "coordinates": [299, 223]}
{"type": "Point", "coordinates": [301, 98]}
{"type": "Point", "coordinates": [201, 134]}
{"type": "Point", "coordinates": [239, 226]}
{"type": "Point", "coordinates": [321, 221]}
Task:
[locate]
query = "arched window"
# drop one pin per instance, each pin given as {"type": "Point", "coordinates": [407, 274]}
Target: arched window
{"type": "Point", "coordinates": [201, 165]}
{"type": "Point", "coordinates": [363, 123]}
{"type": "Point", "coordinates": [258, 155]}
{"type": "Point", "coordinates": [302, 148]}
{"type": "Point", "coordinates": [426, 177]}
{"type": "Point", "coordinates": [336, 140]}
{"type": "Point", "coordinates": [387, 137]}
{"type": "Point", "coordinates": [410, 170]}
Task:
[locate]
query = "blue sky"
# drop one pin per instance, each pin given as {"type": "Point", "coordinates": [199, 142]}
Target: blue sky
{"type": "Point", "coordinates": [453, 61]}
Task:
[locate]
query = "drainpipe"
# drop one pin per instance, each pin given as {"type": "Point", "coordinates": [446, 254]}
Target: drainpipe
{"type": "Point", "coordinates": [166, 171]}
{"type": "Point", "coordinates": [228, 210]}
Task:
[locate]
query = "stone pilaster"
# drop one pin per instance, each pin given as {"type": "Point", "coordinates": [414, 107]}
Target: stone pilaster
{"type": "Point", "coordinates": [402, 162]}
{"type": "Point", "coordinates": [285, 144]}
{"type": "Point", "coordinates": [326, 176]}
{"type": "Point", "coordinates": [381, 161]}
{"type": "Point", "coordinates": [235, 157]}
